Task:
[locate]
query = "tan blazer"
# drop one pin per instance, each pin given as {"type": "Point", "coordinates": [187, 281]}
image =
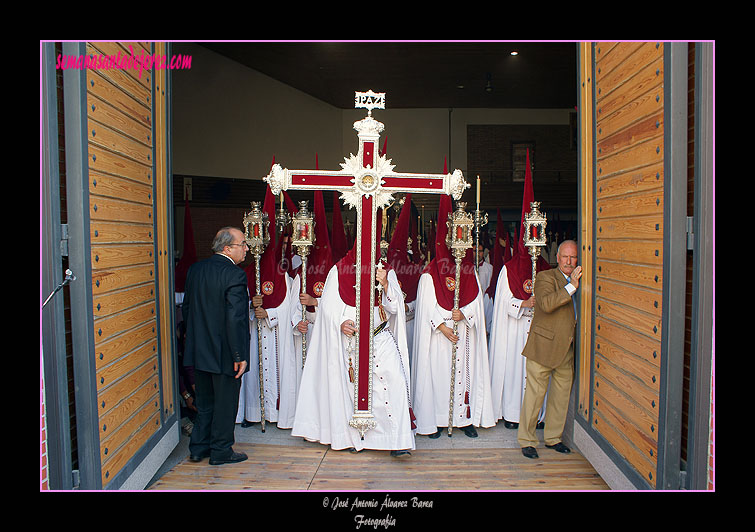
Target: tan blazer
{"type": "Point", "coordinates": [554, 324]}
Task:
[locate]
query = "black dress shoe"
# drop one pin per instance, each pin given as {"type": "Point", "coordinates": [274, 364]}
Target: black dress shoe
{"type": "Point", "coordinates": [232, 459]}
{"type": "Point", "coordinates": [245, 424]}
{"type": "Point", "coordinates": [560, 447]}
{"type": "Point", "coordinates": [198, 457]}
{"type": "Point", "coordinates": [529, 452]}
{"type": "Point", "coordinates": [401, 454]}
{"type": "Point", "coordinates": [510, 424]}
{"type": "Point", "coordinates": [436, 434]}
{"type": "Point", "coordinates": [470, 431]}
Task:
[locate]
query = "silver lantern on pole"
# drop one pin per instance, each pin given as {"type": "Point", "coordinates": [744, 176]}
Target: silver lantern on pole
{"type": "Point", "coordinates": [534, 235]}
{"type": "Point", "coordinates": [458, 239]}
{"type": "Point", "coordinates": [257, 236]}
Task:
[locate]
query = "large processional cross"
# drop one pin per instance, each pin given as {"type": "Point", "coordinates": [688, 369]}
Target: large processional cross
{"type": "Point", "coordinates": [366, 182]}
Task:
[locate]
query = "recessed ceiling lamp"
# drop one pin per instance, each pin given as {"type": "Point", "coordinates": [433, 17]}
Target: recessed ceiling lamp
{"type": "Point", "coordinates": [514, 52]}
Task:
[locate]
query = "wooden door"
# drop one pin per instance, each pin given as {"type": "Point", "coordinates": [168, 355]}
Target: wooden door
{"type": "Point", "coordinates": [633, 183]}
{"type": "Point", "coordinates": [119, 216]}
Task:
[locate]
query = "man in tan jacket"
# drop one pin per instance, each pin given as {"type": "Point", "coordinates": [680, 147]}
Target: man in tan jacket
{"type": "Point", "coordinates": [550, 352]}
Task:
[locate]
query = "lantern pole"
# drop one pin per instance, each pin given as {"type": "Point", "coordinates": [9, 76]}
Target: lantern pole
{"type": "Point", "coordinates": [257, 240]}
{"type": "Point", "coordinates": [303, 237]}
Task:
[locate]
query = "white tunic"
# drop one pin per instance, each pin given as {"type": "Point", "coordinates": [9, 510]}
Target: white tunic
{"type": "Point", "coordinates": [326, 396]}
{"type": "Point", "coordinates": [508, 335]}
{"type": "Point", "coordinates": [431, 366]}
{"type": "Point", "coordinates": [279, 368]}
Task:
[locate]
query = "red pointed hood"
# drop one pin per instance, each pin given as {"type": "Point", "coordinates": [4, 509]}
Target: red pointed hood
{"type": "Point", "coordinates": [189, 256]}
{"type": "Point", "coordinates": [407, 270]}
{"type": "Point", "coordinates": [320, 259]}
{"type": "Point", "coordinates": [384, 150]}
{"type": "Point", "coordinates": [519, 268]}
{"type": "Point", "coordinates": [507, 250]}
{"type": "Point", "coordinates": [339, 244]}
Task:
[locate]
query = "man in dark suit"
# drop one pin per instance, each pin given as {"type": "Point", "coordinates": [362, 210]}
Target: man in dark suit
{"type": "Point", "coordinates": [216, 310]}
{"type": "Point", "coordinates": [550, 352]}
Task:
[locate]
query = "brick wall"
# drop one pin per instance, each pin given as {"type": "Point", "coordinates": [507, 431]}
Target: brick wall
{"type": "Point", "coordinates": [489, 148]}
{"type": "Point", "coordinates": [553, 159]}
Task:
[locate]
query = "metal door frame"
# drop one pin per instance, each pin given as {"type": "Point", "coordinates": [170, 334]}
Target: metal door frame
{"type": "Point", "coordinates": [703, 277]}
{"type": "Point", "coordinates": [53, 341]}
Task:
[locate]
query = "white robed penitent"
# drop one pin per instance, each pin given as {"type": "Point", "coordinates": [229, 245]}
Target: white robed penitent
{"type": "Point", "coordinates": [326, 396]}
{"type": "Point", "coordinates": [431, 364]}
{"type": "Point", "coordinates": [279, 368]}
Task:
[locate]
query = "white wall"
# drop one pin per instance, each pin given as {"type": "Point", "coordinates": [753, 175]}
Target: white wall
{"type": "Point", "coordinates": [229, 121]}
